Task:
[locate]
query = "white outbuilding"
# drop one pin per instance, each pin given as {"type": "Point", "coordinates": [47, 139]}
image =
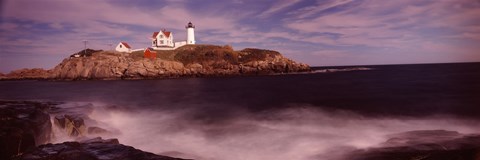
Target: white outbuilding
{"type": "Point", "coordinates": [123, 47]}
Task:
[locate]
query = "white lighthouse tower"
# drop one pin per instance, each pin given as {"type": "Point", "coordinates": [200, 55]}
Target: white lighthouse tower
{"type": "Point", "coordinates": [190, 33]}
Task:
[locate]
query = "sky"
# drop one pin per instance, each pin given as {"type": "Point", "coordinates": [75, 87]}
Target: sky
{"type": "Point", "coordinates": [41, 33]}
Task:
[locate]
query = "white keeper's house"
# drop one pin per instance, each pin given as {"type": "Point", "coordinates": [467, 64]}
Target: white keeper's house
{"type": "Point", "coordinates": [163, 40]}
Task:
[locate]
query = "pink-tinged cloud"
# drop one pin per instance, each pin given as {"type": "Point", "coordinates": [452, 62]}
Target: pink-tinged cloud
{"type": "Point", "coordinates": [371, 26]}
{"type": "Point", "coordinates": [277, 7]}
{"type": "Point", "coordinates": [321, 5]}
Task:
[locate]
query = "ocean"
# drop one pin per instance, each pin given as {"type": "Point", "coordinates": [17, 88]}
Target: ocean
{"type": "Point", "coordinates": [294, 116]}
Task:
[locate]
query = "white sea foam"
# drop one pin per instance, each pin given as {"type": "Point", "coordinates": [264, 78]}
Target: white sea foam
{"type": "Point", "coordinates": [342, 69]}
{"type": "Point", "coordinates": [331, 70]}
{"type": "Point", "coordinates": [299, 133]}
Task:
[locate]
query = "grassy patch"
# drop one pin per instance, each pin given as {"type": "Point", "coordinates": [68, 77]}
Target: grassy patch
{"type": "Point", "coordinates": [202, 54]}
{"type": "Point", "coordinates": [253, 54]}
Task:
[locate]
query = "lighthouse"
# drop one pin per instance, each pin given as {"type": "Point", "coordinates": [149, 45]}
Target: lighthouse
{"type": "Point", "coordinates": [190, 33]}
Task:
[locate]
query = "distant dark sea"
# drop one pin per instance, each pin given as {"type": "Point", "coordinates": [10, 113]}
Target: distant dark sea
{"type": "Point", "coordinates": [294, 116]}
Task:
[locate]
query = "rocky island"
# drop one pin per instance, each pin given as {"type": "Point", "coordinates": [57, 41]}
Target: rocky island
{"type": "Point", "coordinates": [186, 61]}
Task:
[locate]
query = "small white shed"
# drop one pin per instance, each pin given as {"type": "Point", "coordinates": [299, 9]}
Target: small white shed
{"type": "Point", "coordinates": [123, 47]}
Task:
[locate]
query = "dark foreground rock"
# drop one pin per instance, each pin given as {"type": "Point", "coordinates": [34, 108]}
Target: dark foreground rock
{"type": "Point", "coordinates": [424, 145]}
{"type": "Point", "coordinates": [93, 149]}
{"type": "Point", "coordinates": [25, 130]}
{"type": "Point", "coordinates": [23, 125]}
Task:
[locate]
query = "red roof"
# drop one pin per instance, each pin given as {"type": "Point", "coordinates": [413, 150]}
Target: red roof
{"type": "Point", "coordinates": [154, 34]}
{"type": "Point", "coordinates": [126, 44]}
{"type": "Point", "coordinates": [149, 53]}
{"type": "Point", "coordinates": [167, 34]}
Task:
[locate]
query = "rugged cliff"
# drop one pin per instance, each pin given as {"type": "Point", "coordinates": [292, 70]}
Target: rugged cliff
{"type": "Point", "coordinates": [186, 61]}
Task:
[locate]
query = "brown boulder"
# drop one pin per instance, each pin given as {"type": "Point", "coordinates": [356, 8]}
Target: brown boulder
{"type": "Point", "coordinates": [96, 130]}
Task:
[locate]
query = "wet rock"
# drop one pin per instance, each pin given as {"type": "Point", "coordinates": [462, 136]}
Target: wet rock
{"type": "Point", "coordinates": [424, 145]}
{"type": "Point", "coordinates": [420, 137]}
{"type": "Point", "coordinates": [73, 120]}
{"type": "Point", "coordinates": [23, 125]}
{"type": "Point", "coordinates": [93, 149]}
{"type": "Point", "coordinates": [181, 155]}
{"type": "Point", "coordinates": [73, 125]}
{"type": "Point", "coordinates": [59, 121]}
{"type": "Point", "coordinates": [96, 130]}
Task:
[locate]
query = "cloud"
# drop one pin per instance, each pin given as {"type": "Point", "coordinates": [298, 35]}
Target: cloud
{"type": "Point", "coordinates": [238, 1]}
{"type": "Point", "coordinates": [103, 14]}
{"type": "Point", "coordinates": [75, 12]}
{"type": "Point", "coordinates": [278, 6]}
{"type": "Point", "coordinates": [319, 7]}
{"type": "Point", "coordinates": [8, 26]}
{"type": "Point", "coordinates": [376, 26]}
{"type": "Point", "coordinates": [82, 20]}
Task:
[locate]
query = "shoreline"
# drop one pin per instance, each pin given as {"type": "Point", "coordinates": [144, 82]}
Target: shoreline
{"type": "Point", "coordinates": [312, 71]}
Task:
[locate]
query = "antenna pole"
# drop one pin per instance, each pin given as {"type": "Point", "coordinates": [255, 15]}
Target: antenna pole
{"type": "Point", "coordinates": [85, 50]}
